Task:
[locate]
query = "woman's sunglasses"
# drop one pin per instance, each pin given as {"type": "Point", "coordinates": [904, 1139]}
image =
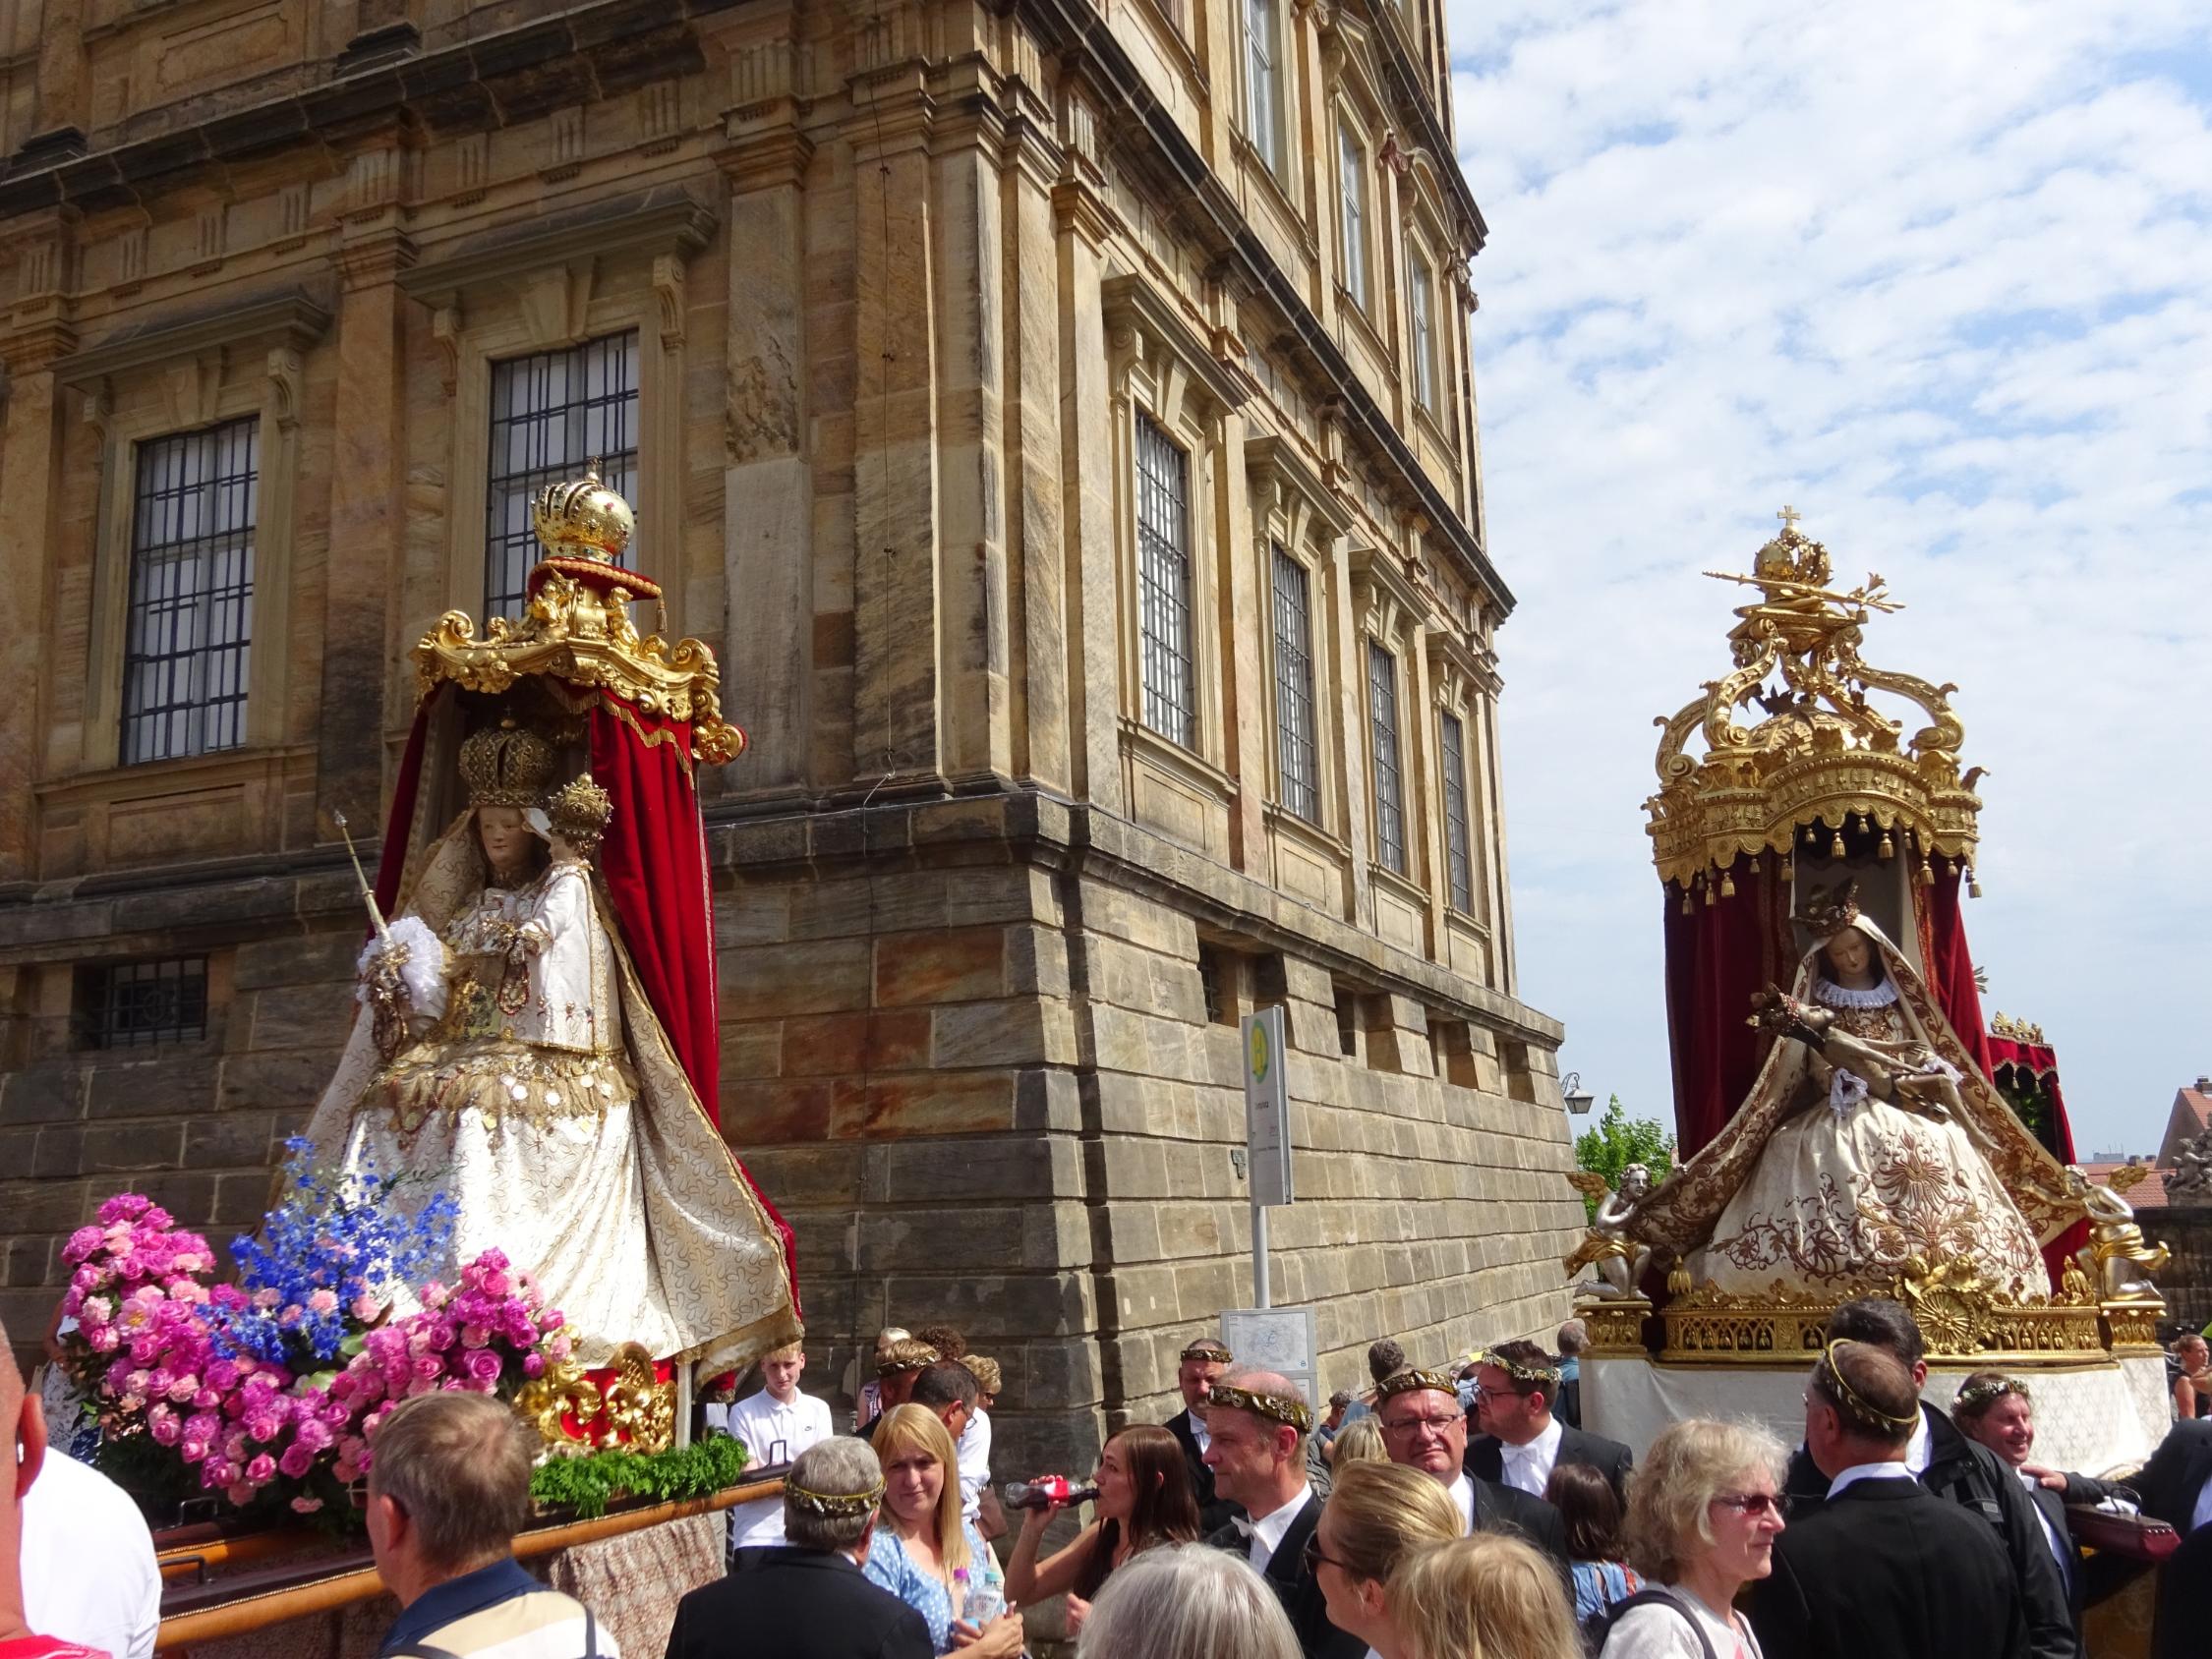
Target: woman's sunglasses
{"type": "Point", "coordinates": [1313, 1557]}
{"type": "Point", "coordinates": [1750, 1503]}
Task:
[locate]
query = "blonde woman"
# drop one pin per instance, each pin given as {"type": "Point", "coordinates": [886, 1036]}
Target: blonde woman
{"type": "Point", "coordinates": [1703, 1511]}
{"type": "Point", "coordinates": [1376, 1516]}
{"type": "Point", "coordinates": [1484, 1597]}
{"type": "Point", "coordinates": [923, 1551]}
{"type": "Point", "coordinates": [1359, 1441]}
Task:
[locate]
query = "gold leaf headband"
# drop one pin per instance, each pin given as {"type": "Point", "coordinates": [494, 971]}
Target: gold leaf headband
{"type": "Point", "coordinates": [1979, 1396]}
{"type": "Point", "coordinates": [1857, 1402]}
{"type": "Point", "coordinates": [1276, 1407]}
{"type": "Point", "coordinates": [1206, 1349]}
{"type": "Point", "coordinates": [831, 1506]}
{"type": "Point", "coordinates": [1544, 1376]}
{"type": "Point", "coordinates": [1412, 1382]}
{"type": "Point", "coordinates": [906, 1355]}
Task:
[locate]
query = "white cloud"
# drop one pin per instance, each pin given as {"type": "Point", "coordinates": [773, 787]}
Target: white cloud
{"type": "Point", "coordinates": [1942, 277]}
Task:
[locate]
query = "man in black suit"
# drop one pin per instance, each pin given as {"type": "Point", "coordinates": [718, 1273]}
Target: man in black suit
{"type": "Point", "coordinates": [1202, 1364]}
{"type": "Point", "coordinates": [1882, 1566]}
{"type": "Point", "coordinates": [1955, 1469]}
{"type": "Point", "coordinates": [1257, 1424]}
{"type": "Point", "coordinates": [2176, 1487]}
{"type": "Point", "coordinates": [1521, 1442]}
{"type": "Point", "coordinates": [1424, 1428]}
{"type": "Point", "coordinates": [806, 1599]}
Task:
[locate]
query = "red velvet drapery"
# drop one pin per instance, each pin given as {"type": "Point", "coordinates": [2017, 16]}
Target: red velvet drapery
{"type": "Point", "coordinates": [392, 861]}
{"type": "Point", "coordinates": [1717, 956]}
{"type": "Point", "coordinates": [654, 864]}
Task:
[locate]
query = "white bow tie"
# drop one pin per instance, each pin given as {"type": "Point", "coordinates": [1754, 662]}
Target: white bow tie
{"type": "Point", "coordinates": [1242, 1524]}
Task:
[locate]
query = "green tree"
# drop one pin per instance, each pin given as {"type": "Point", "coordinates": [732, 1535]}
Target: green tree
{"type": "Point", "coordinates": [1617, 1140]}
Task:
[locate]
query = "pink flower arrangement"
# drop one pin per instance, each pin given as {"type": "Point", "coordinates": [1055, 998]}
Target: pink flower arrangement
{"type": "Point", "coordinates": [150, 1349]}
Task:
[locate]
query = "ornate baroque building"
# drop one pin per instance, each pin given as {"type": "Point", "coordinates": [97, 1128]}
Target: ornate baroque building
{"type": "Point", "coordinates": [1058, 415]}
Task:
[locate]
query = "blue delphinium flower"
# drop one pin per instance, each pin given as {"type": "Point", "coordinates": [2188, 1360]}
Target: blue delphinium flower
{"type": "Point", "coordinates": [334, 1251]}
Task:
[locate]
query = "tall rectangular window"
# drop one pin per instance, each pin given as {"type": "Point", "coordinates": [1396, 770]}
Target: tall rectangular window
{"type": "Point", "coordinates": [1264, 93]}
{"type": "Point", "coordinates": [190, 635]}
{"type": "Point", "coordinates": [1163, 582]}
{"type": "Point", "coordinates": [554, 414]}
{"type": "Point", "coordinates": [1297, 749]}
{"type": "Point", "coordinates": [1389, 785]}
{"type": "Point", "coordinates": [1420, 289]}
{"type": "Point", "coordinates": [1459, 852]}
{"type": "Point", "coordinates": [1352, 194]}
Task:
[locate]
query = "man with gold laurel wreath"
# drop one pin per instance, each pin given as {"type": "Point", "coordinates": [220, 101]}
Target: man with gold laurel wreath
{"type": "Point", "coordinates": [508, 1051]}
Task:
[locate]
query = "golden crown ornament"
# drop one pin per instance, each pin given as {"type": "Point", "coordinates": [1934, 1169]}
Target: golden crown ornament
{"type": "Point", "coordinates": [583, 519]}
{"type": "Point", "coordinates": [506, 766]}
{"type": "Point", "coordinates": [579, 812]}
{"type": "Point", "coordinates": [1827, 911]}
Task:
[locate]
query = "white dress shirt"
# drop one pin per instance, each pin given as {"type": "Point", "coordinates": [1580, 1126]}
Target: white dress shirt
{"type": "Point", "coordinates": [1916, 1451]}
{"type": "Point", "coordinates": [1869, 1472]}
{"type": "Point", "coordinates": [2062, 1554]}
{"type": "Point", "coordinates": [773, 1433]}
{"type": "Point", "coordinates": [1462, 1492]}
{"type": "Point", "coordinates": [1529, 1467]}
{"type": "Point", "coordinates": [2201, 1516]}
{"type": "Point", "coordinates": [1269, 1529]}
{"type": "Point", "coordinates": [974, 1457]}
{"type": "Point", "coordinates": [1199, 1434]}
{"type": "Point", "coordinates": [88, 1575]}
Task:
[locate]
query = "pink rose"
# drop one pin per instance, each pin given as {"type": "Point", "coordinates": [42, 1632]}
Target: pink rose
{"type": "Point", "coordinates": [473, 1336]}
{"type": "Point", "coordinates": [435, 1296]}
{"type": "Point", "coordinates": [428, 1366]}
{"type": "Point", "coordinates": [166, 1430]}
{"type": "Point", "coordinates": [296, 1462]}
{"type": "Point", "coordinates": [323, 1301]}
{"type": "Point", "coordinates": [533, 1365]}
{"type": "Point", "coordinates": [559, 1348]}
{"type": "Point", "coordinates": [261, 1470]}
{"type": "Point", "coordinates": [306, 1505]}
{"type": "Point", "coordinates": [553, 1319]}
{"type": "Point", "coordinates": [267, 1298]}
{"type": "Point", "coordinates": [366, 1308]}
{"type": "Point", "coordinates": [497, 1282]}
{"type": "Point", "coordinates": [484, 1366]}
{"type": "Point", "coordinates": [265, 1426]}
{"type": "Point", "coordinates": [183, 1389]}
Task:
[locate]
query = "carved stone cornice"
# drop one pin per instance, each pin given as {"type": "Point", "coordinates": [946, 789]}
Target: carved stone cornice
{"type": "Point", "coordinates": [292, 320]}
{"type": "Point", "coordinates": [1133, 304]}
{"type": "Point", "coordinates": [766, 158]}
{"type": "Point", "coordinates": [659, 222]}
{"type": "Point", "coordinates": [1273, 461]}
{"type": "Point", "coordinates": [373, 257]}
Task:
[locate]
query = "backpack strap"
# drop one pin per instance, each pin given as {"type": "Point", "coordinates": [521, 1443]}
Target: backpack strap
{"type": "Point", "coordinates": [1661, 1598]}
{"type": "Point", "coordinates": [590, 1635]}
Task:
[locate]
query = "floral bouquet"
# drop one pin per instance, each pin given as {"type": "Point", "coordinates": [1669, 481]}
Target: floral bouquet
{"type": "Point", "coordinates": [269, 1387]}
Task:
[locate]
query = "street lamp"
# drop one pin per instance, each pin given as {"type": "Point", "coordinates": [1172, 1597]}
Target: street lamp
{"type": "Point", "coordinates": [1579, 1099]}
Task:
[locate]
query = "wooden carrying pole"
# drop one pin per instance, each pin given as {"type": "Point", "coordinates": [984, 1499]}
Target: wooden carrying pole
{"type": "Point", "coordinates": [258, 1611]}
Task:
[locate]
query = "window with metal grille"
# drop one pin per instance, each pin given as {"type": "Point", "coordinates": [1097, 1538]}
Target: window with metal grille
{"type": "Point", "coordinates": [1389, 789]}
{"type": "Point", "coordinates": [554, 414]}
{"type": "Point", "coordinates": [1420, 299]}
{"type": "Point", "coordinates": [189, 634]}
{"type": "Point", "coordinates": [1459, 855]}
{"type": "Point", "coordinates": [1163, 580]}
{"type": "Point", "coordinates": [1297, 747]}
{"type": "Point", "coordinates": [1264, 97]}
{"type": "Point", "coordinates": [1351, 194]}
{"type": "Point", "coordinates": [126, 1004]}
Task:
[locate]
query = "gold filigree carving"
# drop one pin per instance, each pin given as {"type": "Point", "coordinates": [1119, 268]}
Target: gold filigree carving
{"type": "Point", "coordinates": [1825, 753]}
{"type": "Point", "coordinates": [1616, 1328]}
{"type": "Point", "coordinates": [1784, 1326]}
{"type": "Point", "coordinates": [640, 1407]}
{"type": "Point", "coordinates": [563, 1391]}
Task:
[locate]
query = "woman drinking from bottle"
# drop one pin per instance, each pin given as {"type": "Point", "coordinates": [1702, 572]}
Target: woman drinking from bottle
{"type": "Point", "coordinates": [1145, 1498]}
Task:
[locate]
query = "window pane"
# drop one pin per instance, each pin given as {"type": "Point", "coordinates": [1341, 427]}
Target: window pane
{"type": "Point", "coordinates": [1420, 298]}
{"type": "Point", "coordinates": [1259, 70]}
{"type": "Point", "coordinates": [1352, 186]}
{"type": "Point", "coordinates": [188, 639]}
{"type": "Point", "coordinates": [1295, 744]}
{"type": "Point", "coordinates": [128, 1003]}
{"type": "Point", "coordinates": [1457, 847]}
{"type": "Point", "coordinates": [553, 415]}
{"type": "Point", "coordinates": [1163, 580]}
{"type": "Point", "coordinates": [1389, 794]}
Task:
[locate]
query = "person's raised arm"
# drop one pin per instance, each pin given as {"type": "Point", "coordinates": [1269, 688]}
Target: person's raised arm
{"type": "Point", "coordinates": [1029, 1580]}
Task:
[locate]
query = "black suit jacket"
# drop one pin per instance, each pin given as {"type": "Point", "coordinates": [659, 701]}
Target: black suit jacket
{"type": "Point", "coordinates": [1486, 1456]}
{"type": "Point", "coordinates": [795, 1604]}
{"type": "Point", "coordinates": [2184, 1613]}
{"type": "Point", "coordinates": [1971, 1477]}
{"type": "Point", "coordinates": [1886, 1567]}
{"type": "Point", "coordinates": [2177, 1473]}
{"type": "Point", "coordinates": [2078, 1572]}
{"type": "Point", "coordinates": [1500, 1508]}
{"type": "Point", "coordinates": [1296, 1589]}
{"type": "Point", "coordinates": [1214, 1511]}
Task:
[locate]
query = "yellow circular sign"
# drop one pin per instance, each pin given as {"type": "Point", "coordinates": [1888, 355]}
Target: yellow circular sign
{"type": "Point", "coordinates": [1260, 1056]}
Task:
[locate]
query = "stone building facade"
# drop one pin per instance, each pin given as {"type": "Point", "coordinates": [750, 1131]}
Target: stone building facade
{"type": "Point", "coordinates": [1057, 414]}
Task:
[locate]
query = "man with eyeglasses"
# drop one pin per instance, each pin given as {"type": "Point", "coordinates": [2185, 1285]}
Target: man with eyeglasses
{"type": "Point", "coordinates": [1882, 1566]}
{"type": "Point", "coordinates": [1259, 1425]}
{"type": "Point", "coordinates": [1424, 1428]}
{"type": "Point", "coordinates": [1522, 1442]}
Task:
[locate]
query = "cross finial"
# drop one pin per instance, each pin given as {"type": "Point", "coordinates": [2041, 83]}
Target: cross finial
{"type": "Point", "coordinates": [1789, 516]}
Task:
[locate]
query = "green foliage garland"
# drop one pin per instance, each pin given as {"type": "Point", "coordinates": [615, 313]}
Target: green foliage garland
{"type": "Point", "coordinates": [1617, 1140]}
{"type": "Point", "coordinates": [589, 1483]}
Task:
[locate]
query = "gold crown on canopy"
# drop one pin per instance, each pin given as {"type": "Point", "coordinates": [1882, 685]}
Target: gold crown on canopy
{"type": "Point", "coordinates": [506, 766]}
{"type": "Point", "coordinates": [1825, 759]}
{"type": "Point", "coordinates": [1827, 911]}
{"type": "Point", "coordinates": [582, 518]}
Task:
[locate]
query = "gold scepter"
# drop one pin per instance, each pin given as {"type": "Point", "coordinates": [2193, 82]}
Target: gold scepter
{"type": "Point", "coordinates": [367, 893]}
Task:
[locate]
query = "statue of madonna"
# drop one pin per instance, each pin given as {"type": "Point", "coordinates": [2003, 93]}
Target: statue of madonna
{"type": "Point", "coordinates": [1868, 1141]}
{"type": "Point", "coordinates": [506, 1054]}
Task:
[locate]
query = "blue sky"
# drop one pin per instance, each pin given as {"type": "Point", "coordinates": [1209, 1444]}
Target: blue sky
{"type": "Point", "coordinates": [1940, 277]}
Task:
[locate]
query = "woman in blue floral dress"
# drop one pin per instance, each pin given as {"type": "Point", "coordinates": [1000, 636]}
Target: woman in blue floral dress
{"type": "Point", "coordinates": [922, 1552]}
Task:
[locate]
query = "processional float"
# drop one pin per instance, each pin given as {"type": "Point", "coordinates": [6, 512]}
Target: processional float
{"type": "Point", "coordinates": [1839, 1129]}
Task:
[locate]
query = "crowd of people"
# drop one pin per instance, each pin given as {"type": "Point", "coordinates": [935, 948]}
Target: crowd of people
{"type": "Point", "coordinates": [1448, 1513]}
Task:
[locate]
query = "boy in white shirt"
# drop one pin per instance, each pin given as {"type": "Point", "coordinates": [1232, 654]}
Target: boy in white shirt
{"type": "Point", "coordinates": [775, 1425]}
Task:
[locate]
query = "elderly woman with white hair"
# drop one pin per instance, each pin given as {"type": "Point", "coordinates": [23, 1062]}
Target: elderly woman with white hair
{"type": "Point", "coordinates": [1703, 1511]}
{"type": "Point", "coordinates": [1186, 1601]}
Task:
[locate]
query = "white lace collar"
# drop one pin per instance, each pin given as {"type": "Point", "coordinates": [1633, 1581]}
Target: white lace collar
{"type": "Point", "coordinates": [1835, 996]}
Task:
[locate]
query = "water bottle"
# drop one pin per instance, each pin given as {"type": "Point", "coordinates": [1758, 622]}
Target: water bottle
{"type": "Point", "coordinates": [982, 1599]}
{"type": "Point", "coordinates": [1046, 1491]}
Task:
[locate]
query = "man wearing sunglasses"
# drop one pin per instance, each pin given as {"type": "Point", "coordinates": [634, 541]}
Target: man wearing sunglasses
{"type": "Point", "coordinates": [1424, 1428]}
